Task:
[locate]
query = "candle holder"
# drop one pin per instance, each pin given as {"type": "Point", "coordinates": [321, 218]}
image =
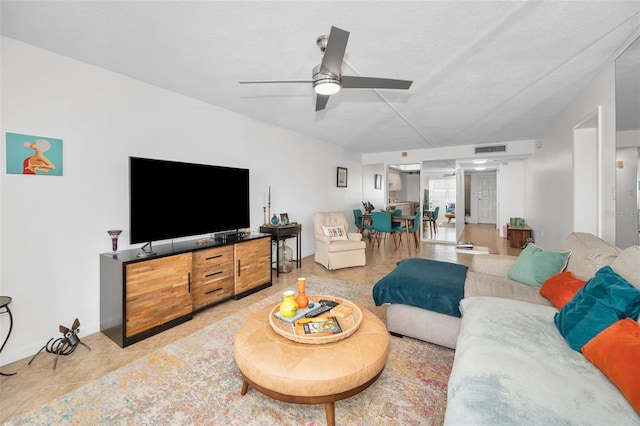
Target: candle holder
{"type": "Point", "coordinates": [264, 215]}
{"type": "Point", "coordinates": [269, 215]}
{"type": "Point", "coordinates": [114, 234]}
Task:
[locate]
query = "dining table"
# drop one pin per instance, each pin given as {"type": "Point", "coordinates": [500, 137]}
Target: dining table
{"type": "Point", "coordinates": [405, 221]}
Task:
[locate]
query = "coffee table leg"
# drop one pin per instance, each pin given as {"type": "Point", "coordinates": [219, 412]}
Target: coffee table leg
{"type": "Point", "coordinates": [245, 387]}
{"type": "Point", "coordinates": [330, 408]}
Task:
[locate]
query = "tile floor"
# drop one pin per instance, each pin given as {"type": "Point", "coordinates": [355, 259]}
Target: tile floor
{"type": "Point", "coordinates": [38, 383]}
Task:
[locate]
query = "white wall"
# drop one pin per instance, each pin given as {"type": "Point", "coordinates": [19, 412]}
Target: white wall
{"type": "Point", "coordinates": [369, 192]}
{"type": "Point", "coordinates": [53, 229]}
{"type": "Point", "coordinates": [509, 182]}
{"type": "Point", "coordinates": [627, 198]}
{"type": "Point", "coordinates": [549, 172]}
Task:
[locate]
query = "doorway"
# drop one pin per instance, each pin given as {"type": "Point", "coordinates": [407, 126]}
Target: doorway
{"type": "Point", "coordinates": [481, 193]}
{"type": "Point", "coordinates": [586, 174]}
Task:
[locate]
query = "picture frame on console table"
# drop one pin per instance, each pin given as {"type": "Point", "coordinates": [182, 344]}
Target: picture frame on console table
{"type": "Point", "coordinates": [284, 218]}
{"type": "Point", "coordinates": [342, 177]}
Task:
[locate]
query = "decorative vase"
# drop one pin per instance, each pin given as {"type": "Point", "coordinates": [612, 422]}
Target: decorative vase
{"type": "Point", "coordinates": [285, 255]}
{"type": "Point", "coordinates": [288, 306]}
{"type": "Point", "coordinates": [274, 220]}
{"type": "Point", "coordinates": [114, 233]}
{"type": "Point", "coordinates": [301, 299]}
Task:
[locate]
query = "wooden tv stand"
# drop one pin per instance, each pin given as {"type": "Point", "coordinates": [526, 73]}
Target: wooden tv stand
{"type": "Point", "coordinates": [143, 296]}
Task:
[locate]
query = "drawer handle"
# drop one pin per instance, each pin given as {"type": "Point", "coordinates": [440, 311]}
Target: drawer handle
{"type": "Point", "coordinates": [213, 291]}
{"type": "Point", "coordinates": [215, 273]}
{"type": "Point", "coordinates": [213, 257]}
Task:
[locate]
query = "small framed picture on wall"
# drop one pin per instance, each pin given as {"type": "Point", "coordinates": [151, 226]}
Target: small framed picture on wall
{"type": "Point", "coordinates": [378, 180]}
{"type": "Point", "coordinates": [342, 177]}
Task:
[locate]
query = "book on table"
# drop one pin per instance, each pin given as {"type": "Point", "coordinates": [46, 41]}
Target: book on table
{"type": "Point", "coordinates": [465, 245]}
{"type": "Point", "coordinates": [317, 327]}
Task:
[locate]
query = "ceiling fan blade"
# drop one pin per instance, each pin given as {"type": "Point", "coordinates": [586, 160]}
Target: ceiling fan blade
{"type": "Point", "coordinates": [275, 81]}
{"type": "Point", "coordinates": [321, 102]}
{"type": "Point", "coordinates": [354, 82]}
{"type": "Point", "coordinates": [334, 52]}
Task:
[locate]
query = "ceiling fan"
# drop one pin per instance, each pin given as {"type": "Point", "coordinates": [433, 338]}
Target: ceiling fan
{"type": "Point", "coordinates": [327, 78]}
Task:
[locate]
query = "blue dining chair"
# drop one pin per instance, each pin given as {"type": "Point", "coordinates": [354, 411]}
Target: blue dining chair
{"type": "Point", "coordinates": [396, 225]}
{"type": "Point", "coordinates": [414, 230]}
{"type": "Point", "coordinates": [382, 227]}
{"type": "Point", "coordinates": [432, 221]}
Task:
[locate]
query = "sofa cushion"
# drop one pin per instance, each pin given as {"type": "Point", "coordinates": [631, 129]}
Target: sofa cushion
{"type": "Point", "coordinates": [487, 285]}
{"type": "Point", "coordinates": [588, 254]}
{"type": "Point", "coordinates": [535, 265]}
{"type": "Point", "coordinates": [561, 288]}
{"type": "Point", "coordinates": [604, 299]}
{"type": "Point", "coordinates": [627, 265]}
{"type": "Point", "coordinates": [335, 232]}
{"type": "Point", "coordinates": [616, 352]}
{"type": "Point", "coordinates": [512, 367]}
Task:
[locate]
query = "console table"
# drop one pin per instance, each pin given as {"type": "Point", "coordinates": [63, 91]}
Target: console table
{"type": "Point", "coordinates": [142, 296]}
{"type": "Point", "coordinates": [517, 235]}
{"type": "Point", "coordinates": [281, 233]}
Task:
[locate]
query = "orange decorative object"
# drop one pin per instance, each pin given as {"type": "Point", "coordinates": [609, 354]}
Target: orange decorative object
{"type": "Point", "coordinates": [302, 299]}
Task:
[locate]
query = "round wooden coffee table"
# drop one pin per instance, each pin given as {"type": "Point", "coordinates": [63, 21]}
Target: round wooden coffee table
{"type": "Point", "coordinates": [310, 374]}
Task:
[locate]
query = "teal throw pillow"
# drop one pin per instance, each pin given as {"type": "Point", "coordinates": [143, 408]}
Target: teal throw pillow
{"type": "Point", "coordinates": [602, 301]}
{"type": "Point", "coordinates": [534, 265]}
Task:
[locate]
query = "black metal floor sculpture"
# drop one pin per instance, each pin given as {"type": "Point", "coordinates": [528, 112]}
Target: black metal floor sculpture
{"type": "Point", "coordinates": [63, 345]}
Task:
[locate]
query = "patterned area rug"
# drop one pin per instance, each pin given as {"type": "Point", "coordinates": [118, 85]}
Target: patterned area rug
{"type": "Point", "coordinates": [195, 381]}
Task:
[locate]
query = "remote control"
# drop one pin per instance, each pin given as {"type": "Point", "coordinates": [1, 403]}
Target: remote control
{"type": "Point", "coordinates": [325, 302]}
{"type": "Point", "coordinates": [317, 311]}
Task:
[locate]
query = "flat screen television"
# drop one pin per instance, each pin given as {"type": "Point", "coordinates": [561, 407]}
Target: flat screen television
{"type": "Point", "coordinates": [170, 199]}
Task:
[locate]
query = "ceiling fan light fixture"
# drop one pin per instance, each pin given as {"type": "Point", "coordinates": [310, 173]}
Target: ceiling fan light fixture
{"type": "Point", "coordinates": [326, 87]}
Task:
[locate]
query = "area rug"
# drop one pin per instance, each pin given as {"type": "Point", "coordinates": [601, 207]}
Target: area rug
{"type": "Point", "coordinates": [194, 381]}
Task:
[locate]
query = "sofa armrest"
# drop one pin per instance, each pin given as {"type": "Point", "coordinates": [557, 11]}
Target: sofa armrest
{"type": "Point", "coordinates": [497, 265]}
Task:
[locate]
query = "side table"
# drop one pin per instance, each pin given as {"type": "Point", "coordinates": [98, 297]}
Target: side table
{"type": "Point", "coordinates": [517, 235]}
{"type": "Point", "coordinates": [281, 233]}
{"type": "Point", "coordinates": [4, 304]}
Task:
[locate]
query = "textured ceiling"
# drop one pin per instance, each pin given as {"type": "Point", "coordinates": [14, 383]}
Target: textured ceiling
{"type": "Point", "coordinates": [483, 71]}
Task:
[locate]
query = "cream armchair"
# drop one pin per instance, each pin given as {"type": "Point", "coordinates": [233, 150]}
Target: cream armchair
{"type": "Point", "coordinates": [336, 247]}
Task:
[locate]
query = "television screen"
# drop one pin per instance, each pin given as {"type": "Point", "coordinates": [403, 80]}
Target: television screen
{"type": "Point", "coordinates": [170, 199]}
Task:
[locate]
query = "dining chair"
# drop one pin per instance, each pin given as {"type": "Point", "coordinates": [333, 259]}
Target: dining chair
{"type": "Point", "coordinates": [414, 230]}
{"type": "Point", "coordinates": [357, 217]}
{"type": "Point", "coordinates": [396, 225]}
{"type": "Point", "coordinates": [432, 221]}
{"type": "Point", "coordinates": [366, 227]}
{"type": "Point", "coordinates": [382, 227]}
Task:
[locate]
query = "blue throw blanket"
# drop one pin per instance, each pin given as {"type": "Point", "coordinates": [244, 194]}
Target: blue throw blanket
{"type": "Point", "coordinates": [428, 284]}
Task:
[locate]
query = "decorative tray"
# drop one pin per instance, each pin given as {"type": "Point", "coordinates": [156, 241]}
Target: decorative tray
{"type": "Point", "coordinates": [348, 314]}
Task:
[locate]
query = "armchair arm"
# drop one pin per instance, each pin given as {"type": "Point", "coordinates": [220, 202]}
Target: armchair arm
{"type": "Point", "coordinates": [323, 239]}
{"type": "Point", "coordinates": [354, 236]}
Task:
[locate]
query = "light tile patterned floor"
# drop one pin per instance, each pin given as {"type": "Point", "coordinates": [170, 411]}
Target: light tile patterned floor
{"type": "Point", "coordinates": [36, 384]}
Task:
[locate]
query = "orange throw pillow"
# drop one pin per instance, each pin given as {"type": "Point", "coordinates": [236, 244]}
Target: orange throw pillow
{"type": "Point", "coordinates": [560, 288]}
{"type": "Point", "coordinates": [616, 351]}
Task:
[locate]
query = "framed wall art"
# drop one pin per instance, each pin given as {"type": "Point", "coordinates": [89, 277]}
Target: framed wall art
{"type": "Point", "coordinates": [378, 180]}
{"type": "Point", "coordinates": [342, 177]}
{"type": "Point", "coordinates": [33, 155]}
